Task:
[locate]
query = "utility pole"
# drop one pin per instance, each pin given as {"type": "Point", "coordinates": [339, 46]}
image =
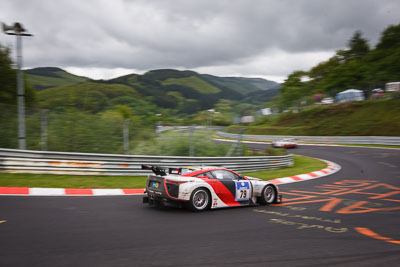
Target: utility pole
{"type": "Point", "coordinates": [18, 30]}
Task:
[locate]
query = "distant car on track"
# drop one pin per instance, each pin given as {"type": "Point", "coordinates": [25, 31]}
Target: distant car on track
{"type": "Point", "coordinates": [202, 188]}
{"type": "Point", "coordinates": [285, 143]}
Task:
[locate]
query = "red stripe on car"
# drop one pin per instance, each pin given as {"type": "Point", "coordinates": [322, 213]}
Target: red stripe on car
{"type": "Point", "coordinates": [225, 195]}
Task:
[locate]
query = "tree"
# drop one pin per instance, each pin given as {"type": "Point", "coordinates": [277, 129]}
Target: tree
{"type": "Point", "coordinates": [125, 111]}
{"type": "Point", "coordinates": [384, 62]}
{"type": "Point", "coordinates": [320, 74]}
{"type": "Point", "coordinates": [190, 106]}
{"type": "Point", "coordinates": [390, 38]}
{"type": "Point", "coordinates": [225, 106]}
{"type": "Point", "coordinates": [294, 88]}
{"type": "Point", "coordinates": [358, 45]}
{"type": "Point", "coordinates": [8, 80]}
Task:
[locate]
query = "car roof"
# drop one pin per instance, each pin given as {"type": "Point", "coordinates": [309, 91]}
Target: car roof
{"type": "Point", "coordinates": [202, 169]}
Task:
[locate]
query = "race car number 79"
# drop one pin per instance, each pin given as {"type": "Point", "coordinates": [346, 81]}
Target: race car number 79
{"type": "Point", "coordinates": [242, 191]}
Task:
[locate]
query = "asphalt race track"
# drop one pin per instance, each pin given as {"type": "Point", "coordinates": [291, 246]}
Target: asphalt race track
{"type": "Point", "coordinates": [351, 218]}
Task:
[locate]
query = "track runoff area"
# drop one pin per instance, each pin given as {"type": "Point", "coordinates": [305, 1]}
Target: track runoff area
{"type": "Point", "coordinates": [349, 218]}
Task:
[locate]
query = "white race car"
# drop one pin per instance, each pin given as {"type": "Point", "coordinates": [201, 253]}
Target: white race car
{"type": "Point", "coordinates": [285, 143]}
{"type": "Point", "coordinates": [202, 188]}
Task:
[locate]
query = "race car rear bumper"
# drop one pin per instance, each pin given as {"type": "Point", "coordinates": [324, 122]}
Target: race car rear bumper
{"type": "Point", "coordinates": [161, 198]}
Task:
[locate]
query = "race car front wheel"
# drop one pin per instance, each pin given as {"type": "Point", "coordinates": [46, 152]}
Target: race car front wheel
{"type": "Point", "coordinates": [200, 200]}
{"type": "Point", "coordinates": [268, 195]}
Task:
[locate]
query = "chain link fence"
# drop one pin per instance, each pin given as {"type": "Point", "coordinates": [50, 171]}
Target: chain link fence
{"type": "Point", "coordinates": [72, 131]}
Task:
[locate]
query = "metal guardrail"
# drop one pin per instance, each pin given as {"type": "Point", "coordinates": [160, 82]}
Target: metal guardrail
{"type": "Point", "coordinates": [369, 140]}
{"type": "Point", "coordinates": [47, 162]}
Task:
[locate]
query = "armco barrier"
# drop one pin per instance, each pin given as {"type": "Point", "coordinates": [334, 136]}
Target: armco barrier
{"type": "Point", "coordinates": [30, 161]}
{"type": "Point", "coordinates": [369, 140]}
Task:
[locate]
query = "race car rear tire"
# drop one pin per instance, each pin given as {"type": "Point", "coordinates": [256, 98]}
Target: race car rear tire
{"type": "Point", "coordinates": [200, 200]}
{"type": "Point", "coordinates": [268, 195]}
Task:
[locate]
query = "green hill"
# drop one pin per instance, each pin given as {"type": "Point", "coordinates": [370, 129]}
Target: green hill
{"type": "Point", "coordinates": [185, 92]}
{"type": "Point", "coordinates": [89, 96]}
{"type": "Point", "coordinates": [373, 117]}
{"type": "Point", "coordinates": [42, 78]}
{"type": "Point", "coordinates": [242, 85]}
{"type": "Point", "coordinates": [194, 82]}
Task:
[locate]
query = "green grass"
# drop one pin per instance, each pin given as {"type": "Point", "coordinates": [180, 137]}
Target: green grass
{"type": "Point", "coordinates": [302, 164]}
{"type": "Point", "coordinates": [366, 118]}
{"type": "Point", "coordinates": [70, 181]}
{"type": "Point", "coordinates": [193, 82]}
{"type": "Point", "coordinates": [270, 130]}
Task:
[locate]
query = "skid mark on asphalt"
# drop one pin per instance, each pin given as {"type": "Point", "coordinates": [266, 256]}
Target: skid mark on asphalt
{"type": "Point", "coordinates": [376, 197]}
{"type": "Point", "coordinates": [387, 164]}
{"type": "Point", "coordinates": [291, 218]}
{"type": "Point", "coordinates": [370, 233]}
{"type": "Point", "coordinates": [382, 155]}
{"type": "Point", "coordinates": [307, 222]}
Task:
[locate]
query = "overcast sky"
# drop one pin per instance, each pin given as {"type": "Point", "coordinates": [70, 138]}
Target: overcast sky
{"type": "Point", "coordinates": [249, 38]}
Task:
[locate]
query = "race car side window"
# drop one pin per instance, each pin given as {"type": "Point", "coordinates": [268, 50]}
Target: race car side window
{"type": "Point", "coordinates": [219, 174]}
{"type": "Point", "coordinates": [225, 175]}
{"type": "Point", "coordinates": [231, 176]}
{"type": "Point", "coordinates": [205, 174]}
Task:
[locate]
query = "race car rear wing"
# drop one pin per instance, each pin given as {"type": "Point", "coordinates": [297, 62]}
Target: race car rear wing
{"type": "Point", "coordinates": [158, 170]}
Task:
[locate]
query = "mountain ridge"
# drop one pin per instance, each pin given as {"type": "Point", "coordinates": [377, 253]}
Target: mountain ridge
{"type": "Point", "coordinates": [54, 72]}
{"type": "Point", "coordinates": [185, 91]}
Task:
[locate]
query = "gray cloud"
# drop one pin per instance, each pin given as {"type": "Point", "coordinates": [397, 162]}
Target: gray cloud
{"type": "Point", "coordinates": [191, 34]}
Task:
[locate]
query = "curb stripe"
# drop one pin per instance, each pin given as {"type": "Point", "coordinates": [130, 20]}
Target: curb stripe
{"type": "Point", "coordinates": [133, 191]}
{"type": "Point", "coordinates": [14, 190]}
{"type": "Point", "coordinates": [78, 191]}
{"type": "Point", "coordinates": [296, 178]}
{"type": "Point", "coordinates": [286, 180]}
{"type": "Point", "coordinates": [46, 191]}
{"type": "Point", "coordinates": [107, 192]}
{"type": "Point", "coordinates": [275, 181]}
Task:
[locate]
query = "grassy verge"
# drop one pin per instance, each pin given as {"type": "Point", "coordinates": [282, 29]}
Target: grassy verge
{"type": "Point", "coordinates": [302, 165]}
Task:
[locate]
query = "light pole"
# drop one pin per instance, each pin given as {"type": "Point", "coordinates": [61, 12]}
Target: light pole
{"type": "Point", "coordinates": [18, 30]}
